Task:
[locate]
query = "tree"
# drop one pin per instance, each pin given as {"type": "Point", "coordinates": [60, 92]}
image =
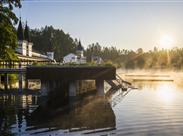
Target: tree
{"type": "Point", "coordinates": [8, 40]}
{"type": "Point", "coordinates": [50, 39]}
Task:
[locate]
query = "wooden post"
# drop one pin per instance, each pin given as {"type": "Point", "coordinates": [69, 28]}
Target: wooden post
{"type": "Point", "coordinates": [72, 92]}
{"type": "Point", "coordinates": [100, 87]}
{"type": "Point", "coordinates": [0, 79]}
{"type": "Point", "coordinates": [26, 84]}
{"type": "Point", "coordinates": [72, 88]}
{"type": "Point", "coordinates": [44, 88]}
{"type": "Point", "coordinates": [6, 81]}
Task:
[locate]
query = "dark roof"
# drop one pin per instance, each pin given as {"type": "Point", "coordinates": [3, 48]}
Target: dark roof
{"type": "Point", "coordinates": [26, 33]}
{"type": "Point", "coordinates": [20, 33]}
{"type": "Point", "coordinates": [80, 47]}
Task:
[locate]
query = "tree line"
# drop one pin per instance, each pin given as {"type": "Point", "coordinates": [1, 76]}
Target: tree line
{"type": "Point", "coordinates": [48, 38]}
{"type": "Point", "coordinates": [129, 59]}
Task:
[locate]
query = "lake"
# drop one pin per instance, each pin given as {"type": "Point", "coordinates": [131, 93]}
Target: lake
{"type": "Point", "coordinates": [155, 108]}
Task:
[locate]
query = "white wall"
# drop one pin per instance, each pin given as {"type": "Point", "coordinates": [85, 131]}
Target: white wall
{"type": "Point", "coordinates": [50, 55]}
{"type": "Point", "coordinates": [22, 48]}
{"type": "Point", "coordinates": [29, 49]}
{"type": "Point", "coordinates": [70, 58]}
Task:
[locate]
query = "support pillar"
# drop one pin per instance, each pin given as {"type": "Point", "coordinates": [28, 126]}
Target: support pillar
{"type": "Point", "coordinates": [72, 91]}
{"type": "Point", "coordinates": [6, 81]}
{"type": "Point", "coordinates": [26, 84]}
{"type": "Point", "coordinates": [100, 87]}
{"type": "Point", "coordinates": [72, 88]}
{"type": "Point", "coordinates": [20, 80]}
{"type": "Point", "coordinates": [44, 88]}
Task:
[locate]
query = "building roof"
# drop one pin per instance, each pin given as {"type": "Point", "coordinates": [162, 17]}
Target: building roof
{"type": "Point", "coordinates": [27, 58]}
{"type": "Point", "coordinates": [80, 47]}
{"type": "Point", "coordinates": [20, 33]}
{"type": "Point", "coordinates": [26, 33]}
{"type": "Point", "coordinates": [70, 55]}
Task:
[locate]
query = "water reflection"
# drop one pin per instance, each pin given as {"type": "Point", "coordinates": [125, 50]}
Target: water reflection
{"type": "Point", "coordinates": [13, 112]}
{"type": "Point", "coordinates": [90, 114]}
{"type": "Point", "coordinates": [154, 109]}
{"type": "Point", "coordinates": [166, 94]}
{"type": "Point", "coordinates": [19, 116]}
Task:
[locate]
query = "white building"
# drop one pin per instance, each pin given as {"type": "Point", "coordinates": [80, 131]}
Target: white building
{"type": "Point", "coordinates": [77, 58]}
{"type": "Point", "coordinates": [70, 58]}
{"type": "Point", "coordinates": [50, 55]}
{"type": "Point", "coordinates": [25, 45]}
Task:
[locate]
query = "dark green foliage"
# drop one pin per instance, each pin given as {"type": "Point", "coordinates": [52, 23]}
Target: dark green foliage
{"type": "Point", "coordinates": [50, 39]}
{"type": "Point", "coordinates": [8, 40]}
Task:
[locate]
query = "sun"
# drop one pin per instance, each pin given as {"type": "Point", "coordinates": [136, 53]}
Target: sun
{"type": "Point", "coordinates": [166, 41]}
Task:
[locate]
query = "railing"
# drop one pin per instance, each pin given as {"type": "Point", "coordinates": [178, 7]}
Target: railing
{"type": "Point", "coordinates": [117, 84]}
{"type": "Point", "coordinates": [13, 64]}
{"type": "Point", "coordinates": [21, 64]}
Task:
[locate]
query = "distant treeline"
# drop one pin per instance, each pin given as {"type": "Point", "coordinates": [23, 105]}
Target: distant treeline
{"type": "Point", "coordinates": [129, 59]}
{"type": "Point", "coordinates": [48, 38]}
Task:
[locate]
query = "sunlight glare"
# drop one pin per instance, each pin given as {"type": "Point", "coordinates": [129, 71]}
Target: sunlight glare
{"type": "Point", "coordinates": [166, 42]}
{"type": "Point", "coordinates": [165, 94]}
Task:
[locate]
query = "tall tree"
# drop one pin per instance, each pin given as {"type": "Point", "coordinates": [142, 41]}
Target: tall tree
{"type": "Point", "coordinates": [50, 39]}
{"type": "Point", "coordinates": [8, 40]}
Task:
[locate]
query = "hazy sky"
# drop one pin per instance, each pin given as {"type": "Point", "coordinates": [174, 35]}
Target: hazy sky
{"type": "Point", "coordinates": [124, 24]}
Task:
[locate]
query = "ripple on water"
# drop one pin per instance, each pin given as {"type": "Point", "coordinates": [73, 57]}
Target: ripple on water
{"type": "Point", "coordinates": [150, 111]}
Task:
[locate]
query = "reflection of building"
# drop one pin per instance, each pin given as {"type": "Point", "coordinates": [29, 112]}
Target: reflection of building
{"type": "Point", "coordinates": [77, 58]}
{"type": "Point", "coordinates": [24, 50]}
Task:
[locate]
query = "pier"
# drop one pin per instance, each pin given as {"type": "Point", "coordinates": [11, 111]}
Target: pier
{"type": "Point", "coordinates": [57, 78]}
{"type": "Point", "coordinates": [68, 82]}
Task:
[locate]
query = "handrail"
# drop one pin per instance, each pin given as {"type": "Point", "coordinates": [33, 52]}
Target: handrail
{"type": "Point", "coordinates": [123, 80]}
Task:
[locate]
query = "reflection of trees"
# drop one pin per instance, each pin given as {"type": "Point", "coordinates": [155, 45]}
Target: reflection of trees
{"type": "Point", "coordinates": [12, 112]}
{"type": "Point", "coordinates": [91, 113]}
{"type": "Point", "coordinates": [97, 113]}
{"type": "Point", "coordinates": [7, 115]}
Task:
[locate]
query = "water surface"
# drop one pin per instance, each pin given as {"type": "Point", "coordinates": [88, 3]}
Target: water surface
{"type": "Point", "coordinates": [153, 109]}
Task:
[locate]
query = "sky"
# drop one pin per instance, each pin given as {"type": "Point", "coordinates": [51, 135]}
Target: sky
{"type": "Point", "coordinates": [126, 24]}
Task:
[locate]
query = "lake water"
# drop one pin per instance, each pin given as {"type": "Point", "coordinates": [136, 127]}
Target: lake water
{"type": "Point", "coordinates": [156, 108]}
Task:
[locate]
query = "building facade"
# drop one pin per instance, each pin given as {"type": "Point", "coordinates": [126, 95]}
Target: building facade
{"type": "Point", "coordinates": [24, 49]}
{"type": "Point", "coordinates": [77, 58]}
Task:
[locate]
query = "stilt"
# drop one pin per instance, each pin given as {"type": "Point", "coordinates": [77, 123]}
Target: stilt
{"type": "Point", "coordinates": [6, 81]}
{"type": "Point", "coordinates": [100, 87]}
{"type": "Point", "coordinates": [72, 91]}
{"type": "Point", "coordinates": [26, 84]}
{"type": "Point", "coordinates": [44, 88]}
{"type": "Point", "coordinates": [72, 88]}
